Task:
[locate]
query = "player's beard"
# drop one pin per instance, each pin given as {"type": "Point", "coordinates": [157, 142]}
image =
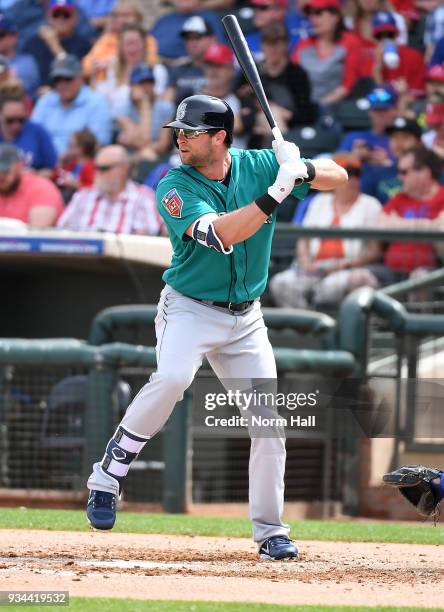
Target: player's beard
{"type": "Point", "coordinates": [198, 159]}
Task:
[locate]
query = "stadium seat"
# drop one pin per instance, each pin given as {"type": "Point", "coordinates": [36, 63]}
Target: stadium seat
{"type": "Point", "coordinates": [62, 434]}
{"type": "Point", "coordinates": [314, 140]}
{"type": "Point", "coordinates": [351, 114]}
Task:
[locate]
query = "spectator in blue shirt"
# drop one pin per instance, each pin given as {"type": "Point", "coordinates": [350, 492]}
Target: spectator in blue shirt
{"type": "Point", "coordinates": [167, 30]}
{"type": "Point", "coordinates": [72, 106]}
{"type": "Point", "coordinates": [21, 65]}
{"type": "Point", "coordinates": [32, 139]}
{"type": "Point", "coordinates": [57, 37]}
{"type": "Point", "coordinates": [372, 146]}
{"type": "Point", "coordinates": [29, 15]}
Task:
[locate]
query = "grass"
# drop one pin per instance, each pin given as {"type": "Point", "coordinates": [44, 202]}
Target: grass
{"type": "Point", "coordinates": [182, 524]}
{"type": "Point", "coordinates": [82, 604]}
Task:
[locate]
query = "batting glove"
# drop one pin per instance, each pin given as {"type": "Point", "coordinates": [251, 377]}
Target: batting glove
{"type": "Point", "coordinates": [289, 173]}
{"type": "Point", "coordinates": [285, 151]}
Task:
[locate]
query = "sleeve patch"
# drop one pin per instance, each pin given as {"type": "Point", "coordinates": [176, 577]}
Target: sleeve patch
{"type": "Point", "coordinates": [173, 203]}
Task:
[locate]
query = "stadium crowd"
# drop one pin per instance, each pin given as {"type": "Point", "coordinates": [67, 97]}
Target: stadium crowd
{"type": "Point", "coordinates": [85, 88]}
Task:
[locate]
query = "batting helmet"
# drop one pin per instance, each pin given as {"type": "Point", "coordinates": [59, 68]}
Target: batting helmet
{"type": "Point", "coordinates": [204, 113]}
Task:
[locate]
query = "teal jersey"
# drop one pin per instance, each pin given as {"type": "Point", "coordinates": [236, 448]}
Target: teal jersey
{"type": "Point", "coordinates": [184, 195]}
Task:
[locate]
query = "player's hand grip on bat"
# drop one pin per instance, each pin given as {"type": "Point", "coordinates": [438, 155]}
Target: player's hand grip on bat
{"type": "Point", "coordinates": [288, 152]}
{"type": "Point", "coordinates": [285, 151]}
{"type": "Point", "coordinates": [289, 172]}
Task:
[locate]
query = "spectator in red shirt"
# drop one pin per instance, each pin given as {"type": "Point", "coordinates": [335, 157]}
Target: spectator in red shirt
{"type": "Point", "coordinates": [115, 203]}
{"type": "Point", "coordinates": [331, 56]}
{"type": "Point", "coordinates": [420, 200]}
{"type": "Point", "coordinates": [402, 67]}
{"type": "Point", "coordinates": [26, 196]}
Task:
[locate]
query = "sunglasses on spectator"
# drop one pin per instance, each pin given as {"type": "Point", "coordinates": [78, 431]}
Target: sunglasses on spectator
{"type": "Point", "coordinates": [317, 12]}
{"type": "Point", "coordinates": [62, 14]}
{"type": "Point", "coordinates": [105, 167]}
{"type": "Point", "coordinates": [264, 7]}
{"type": "Point", "coordinates": [12, 120]}
{"type": "Point", "coordinates": [189, 133]}
{"type": "Point", "coordinates": [4, 33]}
{"type": "Point", "coordinates": [385, 35]}
{"type": "Point", "coordinates": [58, 80]}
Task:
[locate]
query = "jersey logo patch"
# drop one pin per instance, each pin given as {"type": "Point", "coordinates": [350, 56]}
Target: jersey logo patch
{"type": "Point", "coordinates": [173, 203]}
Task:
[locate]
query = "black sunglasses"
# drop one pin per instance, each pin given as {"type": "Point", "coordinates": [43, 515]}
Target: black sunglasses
{"type": "Point", "coordinates": [264, 7]}
{"type": "Point", "coordinates": [317, 12]}
{"type": "Point", "coordinates": [62, 14]}
{"type": "Point", "coordinates": [105, 167]}
{"type": "Point", "coordinates": [12, 120]}
{"type": "Point", "coordinates": [62, 80]}
{"type": "Point", "coordinates": [385, 35]}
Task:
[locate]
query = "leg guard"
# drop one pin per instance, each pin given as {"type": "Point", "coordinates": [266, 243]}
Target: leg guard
{"type": "Point", "coordinates": [122, 450]}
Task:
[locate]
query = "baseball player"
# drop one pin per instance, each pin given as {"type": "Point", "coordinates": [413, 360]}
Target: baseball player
{"type": "Point", "coordinates": [220, 210]}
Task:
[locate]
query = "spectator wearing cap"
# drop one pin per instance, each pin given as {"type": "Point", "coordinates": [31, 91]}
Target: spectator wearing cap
{"type": "Point", "coordinates": [325, 270]}
{"type": "Point", "coordinates": [403, 68]}
{"type": "Point", "coordinates": [331, 55]}
{"type": "Point", "coordinates": [435, 84]}
{"type": "Point", "coordinates": [72, 106]}
{"type": "Point", "coordinates": [24, 195]}
{"type": "Point", "coordinates": [57, 37]}
{"type": "Point", "coordinates": [22, 65]}
{"type": "Point", "coordinates": [268, 12]}
{"type": "Point", "coordinates": [219, 76]}
{"type": "Point", "coordinates": [106, 47]}
{"type": "Point", "coordinates": [115, 203]}
{"type": "Point", "coordinates": [188, 78]}
{"type": "Point", "coordinates": [372, 146]}
{"type": "Point", "coordinates": [434, 118]}
{"type": "Point", "coordinates": [131, 52]}
{"type": "Point", "coordinates": [29, 137]}
{"type": "Point", "coordinates": [29, 15]}
{"type": "Point", "coordinates": [360, 14]}
{"type": "Point", "coordinates": [419, 202]}
{"type": "Point", "coordinates": [167, 30]}
{"type": "Point", "coordinates": [140, 120]}
{"type": "Point", "coordinates": [382, 181]}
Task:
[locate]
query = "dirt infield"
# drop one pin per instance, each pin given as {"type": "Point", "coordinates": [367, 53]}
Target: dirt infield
{"type": "Point", "coordinates": [223, 569]}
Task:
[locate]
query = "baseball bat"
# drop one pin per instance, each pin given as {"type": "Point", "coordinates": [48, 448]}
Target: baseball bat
{"type": "Point", "coordinates": [247, 63]}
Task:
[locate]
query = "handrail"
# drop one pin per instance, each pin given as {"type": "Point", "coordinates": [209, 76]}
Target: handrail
{"type": "Point", "coordinates": [428, 280]}
{"type": "Point", "coordinates": [108, 320]}
{"type": "Point", "coordinates": [371, 233]}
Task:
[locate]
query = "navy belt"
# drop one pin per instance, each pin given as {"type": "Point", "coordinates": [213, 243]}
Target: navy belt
{"type": "Point", "coordinates": [228, 305]}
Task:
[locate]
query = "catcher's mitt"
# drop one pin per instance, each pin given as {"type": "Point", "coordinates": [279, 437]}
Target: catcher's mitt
{"type": "Point", "coordinates": [415, 483]}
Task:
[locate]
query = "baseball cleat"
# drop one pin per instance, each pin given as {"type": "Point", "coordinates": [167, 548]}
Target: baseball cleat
{"type": "Point", "coordinates": [101, 510]}
{"type": "Point", "coordinates": [278, 548]}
